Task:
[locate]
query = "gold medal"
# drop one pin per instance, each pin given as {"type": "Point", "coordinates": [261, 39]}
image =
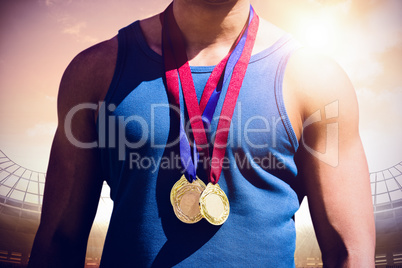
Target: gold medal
{"type": "Point", "coordinates": [214, 204]}
{"type": "Point", "coordinates": [185, 197]}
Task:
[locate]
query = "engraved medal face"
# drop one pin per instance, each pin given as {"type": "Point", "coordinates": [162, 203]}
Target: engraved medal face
{"type": "Point", "coordinates": [185, 197]}
{"type": "Point", "coordinates": [214, 204]}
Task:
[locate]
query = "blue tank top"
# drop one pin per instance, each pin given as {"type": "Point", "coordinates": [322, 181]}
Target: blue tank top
{"type": "Point", "coordinates": [138, 136]}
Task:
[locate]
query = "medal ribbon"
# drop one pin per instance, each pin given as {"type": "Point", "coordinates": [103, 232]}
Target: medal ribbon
{"type": "Point", "coordinates": [174, 56]}
{"type": "Point", "coordinates": [209, 99]}
{"type": "Point", "coordinates": [210, 89]}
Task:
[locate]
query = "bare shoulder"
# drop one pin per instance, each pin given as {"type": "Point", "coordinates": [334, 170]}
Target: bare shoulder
{"type": "Point", "coordinates": [317, 80]}
{"type": "Point", "coordinates": [89, 74]}
{"type": "Point", "coordinates": [267, 35]}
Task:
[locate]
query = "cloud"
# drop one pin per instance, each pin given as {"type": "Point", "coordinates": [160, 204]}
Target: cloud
{"type": "Point", "coordinates": [355, 33]}
{"type": "Point", "coordinates": [42, 129]}
{"type": "Point", "coordinates": [359, 34]}
{"type": "Point", "coordinates": [76, 29]}
{"type": "Point", "coordinates": [386, 101]}
{"type": "Point", "coordinates": [365, 38]}
{"type": "Point", "coordinates": [368, 41]}
{"type": "Point", "coordinates": [380, 118]}
{"type": "Point", "coordinates": [386, 20]}
{"type": "Point", "coordinates": [50, 98]}
{"type": "Point", "coordinates": [50, 3]}
{"type": "Point", "coordinates": [2, 63]}
{"type": "Point", "coordinates": [341, 5]}
{"type": "Point", "coordinates": [360, 62]}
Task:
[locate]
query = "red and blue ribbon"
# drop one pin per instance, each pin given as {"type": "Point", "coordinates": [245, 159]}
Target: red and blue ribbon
{"type": "Point", "coordinates": [200, 115]}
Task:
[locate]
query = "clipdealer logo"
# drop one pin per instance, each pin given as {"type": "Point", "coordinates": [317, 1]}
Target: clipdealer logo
{"type": "Point", "coordinates": [331, 154]}
{"type": "Point", "coordinates": [117, 138]}
{"type": "Point", "coordinates": [173, 162]}
{"type": "Point", "coordinates": [112, 129]}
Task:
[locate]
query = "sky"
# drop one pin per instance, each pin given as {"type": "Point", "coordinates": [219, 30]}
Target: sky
{"type": "Point", "coordinates": [38, 38]}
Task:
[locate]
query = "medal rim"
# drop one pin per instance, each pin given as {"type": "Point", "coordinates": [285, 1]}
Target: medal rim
{"type": "Point", "coordinates": [214, 189]}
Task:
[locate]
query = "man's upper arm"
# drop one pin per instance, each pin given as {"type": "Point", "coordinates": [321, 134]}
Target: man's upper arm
{"type": "Point", "coordinates": [332, 163]}
{"type": "Point", "coordinates": [74, 180]}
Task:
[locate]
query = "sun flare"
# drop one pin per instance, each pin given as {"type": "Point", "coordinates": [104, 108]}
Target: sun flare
{"type": "Point", "coordinates": [319, 33]}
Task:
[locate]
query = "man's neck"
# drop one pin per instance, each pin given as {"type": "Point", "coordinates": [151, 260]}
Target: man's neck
{"type": "Point", "coordinates": [210, 29]}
